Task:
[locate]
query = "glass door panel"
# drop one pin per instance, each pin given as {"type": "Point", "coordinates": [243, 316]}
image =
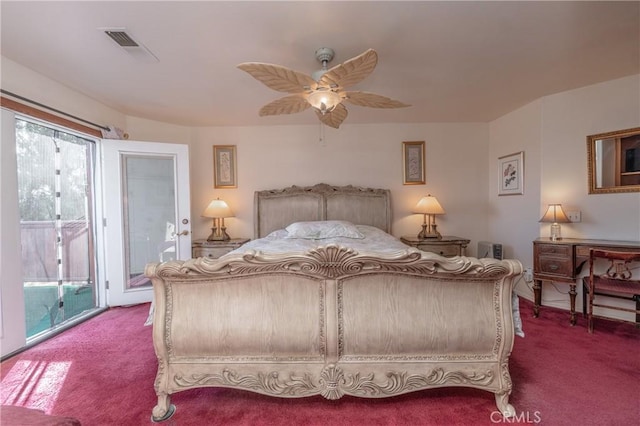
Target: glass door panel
{"type": "Point", "coordinates": [55, 191]}
{"type": "Point", "coordinates": [149, 214]}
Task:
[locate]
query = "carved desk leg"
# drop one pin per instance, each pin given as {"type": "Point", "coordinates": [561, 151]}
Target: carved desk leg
{"type": "Point", "coordinates": [572, 296]}
{"type": "Point", "coordinates": [537, 296]}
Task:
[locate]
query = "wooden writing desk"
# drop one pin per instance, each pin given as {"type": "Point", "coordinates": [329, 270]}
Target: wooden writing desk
{"type": "Point", "coordinates": [562, 261]}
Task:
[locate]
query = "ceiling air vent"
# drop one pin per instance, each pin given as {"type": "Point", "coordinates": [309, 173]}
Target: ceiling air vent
{"type": "Point", "coordinates": [129, 45]}
{"type": "Point", "coordinates": [123, 39]}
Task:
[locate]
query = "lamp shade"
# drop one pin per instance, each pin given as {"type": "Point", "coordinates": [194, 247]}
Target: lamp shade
{"type": "Point", "coordinates": [217, 208]}
{"type": "Point", "coordinates": [555, 214]}
{"type": "Point", "coordinates": [428, 205]}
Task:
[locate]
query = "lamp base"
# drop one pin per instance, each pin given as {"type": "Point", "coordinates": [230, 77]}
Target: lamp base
{"type": "Point", "coordinates": [432, 233]}
{"type": "Point", "coordinates": [556, 234]}
{"type": "Point", "coordinates": [219, 234]}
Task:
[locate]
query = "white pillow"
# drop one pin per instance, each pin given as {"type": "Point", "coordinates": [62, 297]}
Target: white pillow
{"type": "Point", "coordinates": [318, 230]}
{"type": "Point", "coordinates": [517, 321]}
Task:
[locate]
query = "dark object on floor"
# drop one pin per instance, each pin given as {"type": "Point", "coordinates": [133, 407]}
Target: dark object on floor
{"type": "Point", "coordinates": [11, 415]}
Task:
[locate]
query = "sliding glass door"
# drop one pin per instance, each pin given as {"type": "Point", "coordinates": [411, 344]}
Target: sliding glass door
{"type": "Point", "coordinates": [56, 203]}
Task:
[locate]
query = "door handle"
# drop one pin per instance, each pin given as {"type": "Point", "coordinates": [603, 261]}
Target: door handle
{"type": "Point", "coordinates": [185, 232]}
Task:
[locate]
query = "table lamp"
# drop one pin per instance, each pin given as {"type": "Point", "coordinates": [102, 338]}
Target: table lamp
{"type": "Point", "coordinates": [218, 210]}
{"type": "Point", "coordinates": [429, 206]}
{"type": "Point", "coordinates": [555, 216]}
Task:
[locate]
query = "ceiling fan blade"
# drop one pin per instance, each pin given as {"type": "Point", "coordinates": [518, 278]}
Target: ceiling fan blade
{"type": "Point", "coordinates": [279, 78]}
{"type": "Point", "coordinates": [335, 117]}
{"type": "Point", "coordinates": [287, 105]}
{"type": "Point", "coordinates": [372, 100]}
{"type": "Point", "coordinates": [350, 72]}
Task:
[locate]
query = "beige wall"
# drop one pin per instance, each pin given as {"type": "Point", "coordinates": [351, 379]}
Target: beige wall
{"type": "Point", "coordinates": [552, 131]}
{"type": "Point", "coordinates": [568, 118]}
{"type": "Point", "coordinates": [270, 157]}
{"type": "Point", "coordinates": [513, 219]}
{"type": "Point", "coordinates": [31, 85]}
{"type": "Point", "coordinates": [365, 155]}
{"type": "Point", "coordinates": [12, 324]}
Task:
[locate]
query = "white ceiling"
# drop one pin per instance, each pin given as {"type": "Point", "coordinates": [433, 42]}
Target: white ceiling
{"type": "Point", "coordinates": [452, 61]}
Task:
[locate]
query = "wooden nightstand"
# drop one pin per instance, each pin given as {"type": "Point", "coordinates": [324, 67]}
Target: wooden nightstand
{"type": "Point", "coordinates": [447, 246]}
{"type": "Point", "coordinates": [215, 249]}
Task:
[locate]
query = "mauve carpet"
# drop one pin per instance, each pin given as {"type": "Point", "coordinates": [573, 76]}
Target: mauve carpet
{"type": "Point", "coordinates": [102, 372]}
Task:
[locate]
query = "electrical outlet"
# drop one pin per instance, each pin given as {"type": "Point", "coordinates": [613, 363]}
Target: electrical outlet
{"type": "Point", "coordinates": [575, 216]}
{"type": "Point", "coordinates": [528, 275]}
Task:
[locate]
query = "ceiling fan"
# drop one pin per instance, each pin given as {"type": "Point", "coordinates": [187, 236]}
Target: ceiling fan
{"type": "Point", "coordinates": [324, 90]}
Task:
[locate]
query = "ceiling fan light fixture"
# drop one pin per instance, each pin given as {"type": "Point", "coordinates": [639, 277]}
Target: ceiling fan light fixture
{"type": "Point", "coordinates": [324, 100]}
{"type": "Point", "coordinates": [324, 90]}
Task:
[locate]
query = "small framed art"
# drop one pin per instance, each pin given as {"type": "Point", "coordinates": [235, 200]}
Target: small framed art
{"type": "Point", "coordinates": [511, 174]}
{"type": "Point", "coordinates": [413, 163]}
{"type": "Point", "coordinates": [224, 166]}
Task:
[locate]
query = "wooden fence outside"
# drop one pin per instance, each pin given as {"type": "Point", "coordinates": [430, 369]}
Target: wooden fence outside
{"type": "Point", "coordinates": [39, 251]}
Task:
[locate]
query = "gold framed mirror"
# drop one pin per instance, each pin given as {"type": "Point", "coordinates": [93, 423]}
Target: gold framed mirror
{"type": "Point", "coordinates": [614, 161]}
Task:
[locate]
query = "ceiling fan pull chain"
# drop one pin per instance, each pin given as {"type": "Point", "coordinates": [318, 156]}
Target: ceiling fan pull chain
{"type": "Point", "coordinates": [322, 139]}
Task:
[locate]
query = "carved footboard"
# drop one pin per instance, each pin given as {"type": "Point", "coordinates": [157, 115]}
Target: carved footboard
{"type": "Point", "coordinates": [333, 322]}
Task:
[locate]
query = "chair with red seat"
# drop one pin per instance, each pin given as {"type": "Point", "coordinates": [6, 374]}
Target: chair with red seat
{"type": "Point", "coordinates": [617, 281]}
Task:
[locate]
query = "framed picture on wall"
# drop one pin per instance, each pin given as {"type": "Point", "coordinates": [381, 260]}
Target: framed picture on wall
{"type": "Point", "coordinates": [224, 166]}
{"type": "Point", "coordinates": [413, 163]}
{"type": "Point", "coordinates": [511, 174]}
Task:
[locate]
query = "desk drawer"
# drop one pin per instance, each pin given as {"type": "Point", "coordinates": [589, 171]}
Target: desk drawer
{"type": "Point", "coordinates": [554, 250]}
{"type": "Point", "coordinates": [555, 266]}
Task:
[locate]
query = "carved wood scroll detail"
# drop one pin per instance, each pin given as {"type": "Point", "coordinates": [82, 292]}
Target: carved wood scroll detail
{"type": "Point", "coordinates": [330, 262]}
{"type": "Point", "coordinates": [323, 188]}
{"type": "Point", "coordinates": [269, 383]}
{"type": "Point", "coordinates": [333, 383]}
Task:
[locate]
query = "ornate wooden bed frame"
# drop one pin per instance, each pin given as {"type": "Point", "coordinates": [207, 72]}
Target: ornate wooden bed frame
{"type": "Point", "coordinates": [332, 321]}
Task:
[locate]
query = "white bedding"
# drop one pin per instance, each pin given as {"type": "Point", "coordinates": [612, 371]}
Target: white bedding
{"type": "Point", "coordinates": [375, 241]}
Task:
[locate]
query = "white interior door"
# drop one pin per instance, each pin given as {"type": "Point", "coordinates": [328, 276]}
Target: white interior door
{"type": "Point", "coordinates": [146, 211]}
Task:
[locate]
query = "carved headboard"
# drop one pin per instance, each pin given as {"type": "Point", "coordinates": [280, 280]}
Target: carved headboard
{"type": "Point", "coordinates": [278, 208]}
